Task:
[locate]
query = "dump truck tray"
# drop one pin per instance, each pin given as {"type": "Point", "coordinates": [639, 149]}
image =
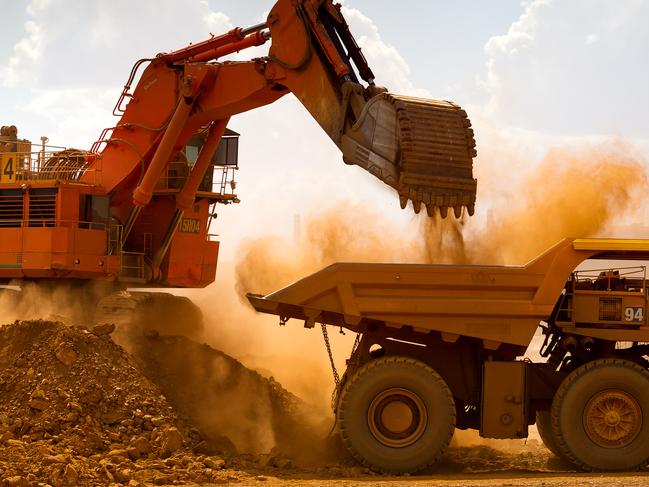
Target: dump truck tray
{"type": "Point", "coordinates": [498, 304]}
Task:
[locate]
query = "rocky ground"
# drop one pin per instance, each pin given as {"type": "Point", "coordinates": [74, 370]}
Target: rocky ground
{"type": "Point", "coordinates": [78, 409]}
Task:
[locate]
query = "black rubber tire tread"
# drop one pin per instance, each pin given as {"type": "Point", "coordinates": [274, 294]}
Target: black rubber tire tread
{"type": "Point", "coordinates": [565, 428]}
{"type": "Point", "coordinates": [544, 426]}
{"type": "Point", "coordinates": [417, 460]}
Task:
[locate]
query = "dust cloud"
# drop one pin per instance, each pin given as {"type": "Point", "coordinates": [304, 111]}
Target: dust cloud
{"type": "Point", "coordinates": [572, 193]}
{"type": "Point", "coordinates": [345, 232]}
{"type": "Point", "coordinates": [68, 302]}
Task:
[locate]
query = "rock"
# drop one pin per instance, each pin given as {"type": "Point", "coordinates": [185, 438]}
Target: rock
{"type": "Point", "coordinates": [43, 450]}
{"type": "Point", "coordinates": [118, 452]}
{"type": "Point", "coordinates": [172, 441]}
{"type": "Point", "coordinates": [38, 400]}
{"type": "Point", "coordinates": [214, 463]}
{"type": "Point", "coordinates": [103, 329]}
{"type": "Point", "coordinates": [216, 445]}
{"type": "Point", "coordinates": [75, 406]}
{"type": "Point", "coordinates": [142, 444]}
{"type": "Point", "coordinates": [93, 395]}
{"type": "Point", "coordinates": [163, 479]}
{"type": "Point", "coordinates": [7, 435]}
{"type": "Point", "coordinates": [123, 475]}
{"type": "Point", "coordinates": [133, 453]}
{"type": "Point", "coordinates": [38, 404]}
{"type": "Point", "coordinates": [70, 475]}
{"type": "Point", "coordinates": [66, 355]}
{"type": "Point", "coordinates": [17, 481]}
{"type": "Point", "coordinates": [60, 458]}
{"type": "Point", "coordinates": [71, 417]}
{"type": "Point", "coordinates": [112, 417]}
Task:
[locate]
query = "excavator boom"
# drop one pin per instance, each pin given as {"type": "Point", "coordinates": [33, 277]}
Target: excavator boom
{"type": "Point", "coordinates": [422, 148]}
{"type": "Point", "coordinates": [137, 207]}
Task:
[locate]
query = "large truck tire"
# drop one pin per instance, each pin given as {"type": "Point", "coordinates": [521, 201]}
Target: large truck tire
{"type": "Point", "coordinates": [544, 426]}
{"type": "Point", "coordinates": [600, 416]}
{"type": "Point", "coordinates": [396, 415]}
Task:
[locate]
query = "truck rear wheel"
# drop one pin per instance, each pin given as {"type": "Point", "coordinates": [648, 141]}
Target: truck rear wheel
{"type": "Point", "coordinates": [600, 415]}
{"type": "Point", "coordinates": [396, 415]}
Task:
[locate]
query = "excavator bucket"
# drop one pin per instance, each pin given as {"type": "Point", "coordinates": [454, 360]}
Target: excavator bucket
{"type": "Point", "coordinates": [422, 148]}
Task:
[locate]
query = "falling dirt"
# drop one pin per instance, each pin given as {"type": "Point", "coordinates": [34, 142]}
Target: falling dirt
{"type": "Point", "coordinates": [570, 193]}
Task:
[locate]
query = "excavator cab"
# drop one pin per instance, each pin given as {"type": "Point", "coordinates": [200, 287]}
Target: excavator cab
{"type": "Point", "coordinates": [219, 176]}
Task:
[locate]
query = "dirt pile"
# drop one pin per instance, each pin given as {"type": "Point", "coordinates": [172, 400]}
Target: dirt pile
{"type": "Point", "coordinates": [235, 409]}
{"type": "Point", "coordinates": [75, 410]}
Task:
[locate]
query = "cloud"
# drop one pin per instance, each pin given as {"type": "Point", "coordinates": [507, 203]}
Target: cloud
{"type": "Point", "coordinates": [27, 53]}
{"type": "Point", "coordinates": [70, 43]}
{"type": "Point", "coordinates": [65, 72]}
{"type": "Point", "coordinates": [571, 68]}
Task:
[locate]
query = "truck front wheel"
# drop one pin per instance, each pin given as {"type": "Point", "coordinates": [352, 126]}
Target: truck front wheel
{"type": "Point", "coordinates": [396, 415]}
{"type": "Point", "coordinates": [544, 426]}
{"type": "Point", "coordinates": [600, 415]}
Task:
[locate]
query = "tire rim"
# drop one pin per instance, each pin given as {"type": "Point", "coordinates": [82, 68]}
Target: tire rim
{"type": "Point", "coordinates": [612, 418]}
{"type": "Point", "coordinates": [397, 417]}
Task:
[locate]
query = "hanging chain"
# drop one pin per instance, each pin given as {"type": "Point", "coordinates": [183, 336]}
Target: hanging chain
{"type": "Point", "coordinates": [331, 356]}
{"type": "Point", "coordinates": [354, 361]}
{"type": "Point", "coordinates": [357, 341]}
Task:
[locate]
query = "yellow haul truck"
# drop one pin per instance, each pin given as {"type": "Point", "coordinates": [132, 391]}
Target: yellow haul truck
{"type": "Point", "coordinates": [441, 347]}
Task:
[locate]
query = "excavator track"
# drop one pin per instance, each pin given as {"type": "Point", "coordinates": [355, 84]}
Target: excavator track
{"type": "Point", "coordinates": [423, 148]}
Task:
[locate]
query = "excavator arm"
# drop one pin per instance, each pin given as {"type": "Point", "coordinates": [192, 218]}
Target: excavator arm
{"type": "Point", "coordinates": [422, 148]}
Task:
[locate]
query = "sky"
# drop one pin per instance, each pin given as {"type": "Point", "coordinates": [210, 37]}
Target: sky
{"type": "Point", "coordinates": [531, 74]}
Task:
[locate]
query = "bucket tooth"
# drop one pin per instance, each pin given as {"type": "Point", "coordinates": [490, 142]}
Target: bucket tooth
{"type": "Point", "coordinates": [470, 209]}
{"type": "Point", "coordinates": [430, 209]}
{"type": "Point", "coordinates": [443, 210]}
{"type": "Point", "coordinates": [416, 205]}
{"type": "Point", "coordinates": [403, 201]}
{"type": "Point", "coordinates": [457, 211]}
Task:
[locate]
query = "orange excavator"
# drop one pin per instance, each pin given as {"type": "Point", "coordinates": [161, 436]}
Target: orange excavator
{"type": "Point", "coordinates": [135, 210]}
